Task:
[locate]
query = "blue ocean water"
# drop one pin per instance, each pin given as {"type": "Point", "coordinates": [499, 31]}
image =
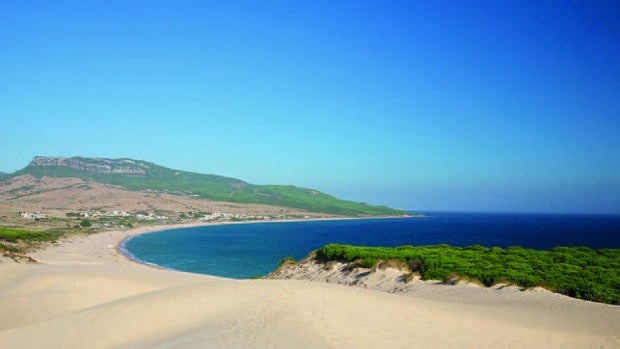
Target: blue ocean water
{"type": "Point", "coordinates": [245, 250]}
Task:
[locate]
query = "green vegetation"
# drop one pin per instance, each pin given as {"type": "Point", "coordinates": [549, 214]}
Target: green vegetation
{"type": "Point", "coordinates": [7, 248]}
{"type": "Point", "coordinates": [287, 261]}
{"type": "Point", "coordinates": [161, 179]}
{"type": "Point", "coordinates": [578, 272]}
{"type": "Point", "coordinates": [17, 190]}
{"type": "Point", "coordinates": [15, 243]}
{"type": "Point", "coordinates": [12, 235]}
{"type": "Point", "coordinates": [85, 223]}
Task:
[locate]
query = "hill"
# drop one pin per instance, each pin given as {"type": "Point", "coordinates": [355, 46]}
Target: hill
{"type": "Point", "coordinates": [3, 173]}
{"type": "Point", "coordinates": [137, 175]}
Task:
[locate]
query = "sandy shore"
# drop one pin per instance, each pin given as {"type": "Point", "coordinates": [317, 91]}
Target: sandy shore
{"type": "Point", "coordinates": [85, 294]}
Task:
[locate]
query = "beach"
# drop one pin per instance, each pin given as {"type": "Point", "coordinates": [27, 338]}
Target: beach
{"type": "Point", "coordinates": [85, 293]}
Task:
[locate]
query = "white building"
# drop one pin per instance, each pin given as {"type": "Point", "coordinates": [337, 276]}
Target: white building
{"type": "Point", "coordinates": [33, 215]}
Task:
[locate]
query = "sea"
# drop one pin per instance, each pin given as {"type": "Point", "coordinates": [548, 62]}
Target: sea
{"type": "Point", "coordinates": [253, 249]}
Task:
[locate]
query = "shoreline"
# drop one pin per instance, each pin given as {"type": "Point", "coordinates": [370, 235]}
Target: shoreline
{"type": "Point", "coordinates": [84, 291]}
{"type": "Point", "coordinates": [119, 245]}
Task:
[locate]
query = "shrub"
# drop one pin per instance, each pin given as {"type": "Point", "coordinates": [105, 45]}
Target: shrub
{"type": "Point", "coordinates": [391, 263]}
{"type": "Point", "coordinates": [287, 260]}
{"type": "Point", "coordinates": [12, 235]}
{"type": "Point", "coordinates": [414, 264]}
{"type": "Point", "coordinates": [7, 248]}
{"type": "Point", "coordinates": [451, 278]}
{"type": "Point", "coordinates": [574, 271]}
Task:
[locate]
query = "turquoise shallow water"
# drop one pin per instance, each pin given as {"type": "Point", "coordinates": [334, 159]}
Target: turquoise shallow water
{"type": "Point", "coordinates": [245, 250]}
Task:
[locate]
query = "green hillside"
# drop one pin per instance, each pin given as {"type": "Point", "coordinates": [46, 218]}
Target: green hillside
{"type": "Point", "coordinates": [141, 175]}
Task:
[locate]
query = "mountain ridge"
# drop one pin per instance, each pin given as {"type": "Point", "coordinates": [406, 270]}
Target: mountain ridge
{"type": "Point", "coordinates": [141, 175]}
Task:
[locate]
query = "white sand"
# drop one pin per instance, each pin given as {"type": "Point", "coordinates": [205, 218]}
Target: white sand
{"type": "Point", "coordinates": [85, 295]}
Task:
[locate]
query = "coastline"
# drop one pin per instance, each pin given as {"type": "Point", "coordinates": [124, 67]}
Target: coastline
{"type": "Point", "coordinates": [158, 228]}
{"type": "Point", "coordinates": [86, 291]}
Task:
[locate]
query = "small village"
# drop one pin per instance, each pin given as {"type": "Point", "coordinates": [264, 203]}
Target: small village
{"type": "Point", "coordinates": [115, 218]}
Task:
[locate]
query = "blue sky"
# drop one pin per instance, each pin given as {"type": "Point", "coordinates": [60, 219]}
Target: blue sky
{"type": "Point", "coordinates": [426, 105]}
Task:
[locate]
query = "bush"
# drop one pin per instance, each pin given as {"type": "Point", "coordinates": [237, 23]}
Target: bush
{"type": "Point", "coordinates": [393, 264]}
{"type": "Point", "coordinates": [12, 235]}
{"type": "Point", "coordinates": [287, 260]}
{"type": "Point", "coordinates": [85, 223]}
{"type": "Point", "coordinates": [6, 248]}
{"type": "Point", "coordinates": [574, 271]}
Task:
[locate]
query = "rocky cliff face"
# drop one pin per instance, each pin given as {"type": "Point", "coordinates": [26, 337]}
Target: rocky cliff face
{"type": "Point", "coordinates": [97, 165]}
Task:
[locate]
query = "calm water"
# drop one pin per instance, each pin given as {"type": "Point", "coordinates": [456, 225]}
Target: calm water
{"type": "Point", "coordinates": [245, 250]}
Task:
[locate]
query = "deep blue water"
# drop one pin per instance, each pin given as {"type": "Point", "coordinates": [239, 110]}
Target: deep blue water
{"type": "Point", "coordinates": [245, 250]}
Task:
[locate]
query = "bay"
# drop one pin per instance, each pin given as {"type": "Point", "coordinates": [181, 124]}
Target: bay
{"type": "Point", "coordinates": [253, 249]}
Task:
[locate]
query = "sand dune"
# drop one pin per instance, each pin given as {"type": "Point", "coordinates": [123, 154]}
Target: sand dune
{"type": "Point", "coordinates": [84, 294]}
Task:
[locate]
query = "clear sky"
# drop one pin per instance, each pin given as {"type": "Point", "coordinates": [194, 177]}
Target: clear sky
{"type": "Point", "coordinates": [426, 105]}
